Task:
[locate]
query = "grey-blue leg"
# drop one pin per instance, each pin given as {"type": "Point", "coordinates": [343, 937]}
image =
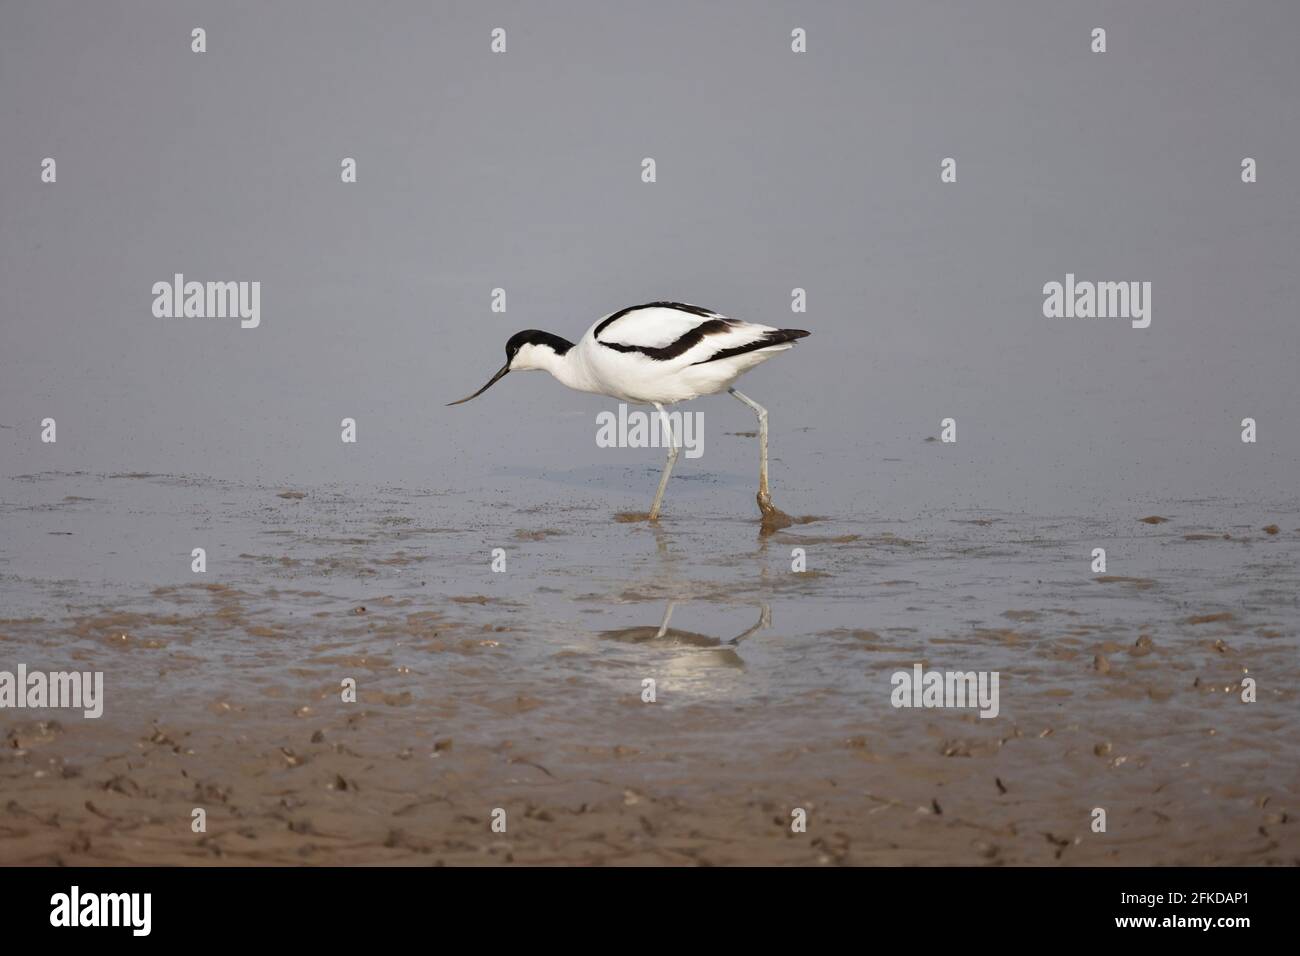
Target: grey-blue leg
{"type": "Point", "coordinates": [764, 494]}
{"type": "Point", "coordinates": [668, 466]}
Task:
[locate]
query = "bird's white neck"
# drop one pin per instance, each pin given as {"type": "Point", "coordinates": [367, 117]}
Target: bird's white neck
{"type": "Point", "coordinates": [569, 369]}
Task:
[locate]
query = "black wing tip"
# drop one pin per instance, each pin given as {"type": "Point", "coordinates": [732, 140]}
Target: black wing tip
{"type": "Point", "coordinates": [767, 340]}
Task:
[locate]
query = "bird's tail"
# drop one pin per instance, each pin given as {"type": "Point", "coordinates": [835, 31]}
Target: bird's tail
{"type": "Point", "coordinates": [766, 341]}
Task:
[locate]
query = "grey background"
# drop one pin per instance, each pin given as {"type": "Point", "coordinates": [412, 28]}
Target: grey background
{"type": "Point", "coordinates": [775, 170]}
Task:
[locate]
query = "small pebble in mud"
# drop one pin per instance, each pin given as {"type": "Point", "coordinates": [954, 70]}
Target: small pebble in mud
{"type": "Point", "coordinates": [1153, 519]}
{"type": "Point", "coordinates": [1142, 646]}
{"type": "Point", "coordinates": [1102, 749]}
{"type": "Point", "coordinates": [1101, 665]}
{"type": "Point", "coordinates": [1271, 529]}
{"type": "Point", "coordinates": [359, 610]}
{"type": "Point", "coordinates": [1002, 787]}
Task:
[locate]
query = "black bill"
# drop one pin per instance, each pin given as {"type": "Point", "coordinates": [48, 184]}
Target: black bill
{"type": "Point", "coordinates": [492, 381]}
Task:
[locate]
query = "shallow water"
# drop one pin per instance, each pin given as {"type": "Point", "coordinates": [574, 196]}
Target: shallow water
{"type": "Point", "coordinates": [522, 689]}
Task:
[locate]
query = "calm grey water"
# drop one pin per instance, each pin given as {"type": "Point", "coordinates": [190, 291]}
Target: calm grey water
{"type": "Point", "coordinates": [775, 171]}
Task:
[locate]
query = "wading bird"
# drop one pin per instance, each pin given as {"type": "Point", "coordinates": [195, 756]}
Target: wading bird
{"type": "Point", "coordinates": [657, 354]}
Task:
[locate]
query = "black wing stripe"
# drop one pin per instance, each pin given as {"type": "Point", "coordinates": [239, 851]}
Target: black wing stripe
{"type": "Point", "coordinates": [775, 337]}
{"type": "Point", "coordinates": [680, 347]}
{"type": "Point", "coordinates": [678, 306]}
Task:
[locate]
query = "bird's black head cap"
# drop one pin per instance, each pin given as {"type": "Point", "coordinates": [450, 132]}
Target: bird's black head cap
{"type": "Point", "coordinates": [535, 337]}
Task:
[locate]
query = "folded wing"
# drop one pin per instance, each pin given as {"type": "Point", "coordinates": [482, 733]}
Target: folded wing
{"type": "Point", "coordinates": [684, 334]}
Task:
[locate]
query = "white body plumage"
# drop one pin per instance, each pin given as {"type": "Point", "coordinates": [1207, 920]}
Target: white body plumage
{"type": "Point", "coordinates": [659, 353]}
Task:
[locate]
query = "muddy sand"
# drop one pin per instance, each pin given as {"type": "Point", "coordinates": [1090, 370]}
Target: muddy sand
{"type": "Point", "coordinates": [522, 690]}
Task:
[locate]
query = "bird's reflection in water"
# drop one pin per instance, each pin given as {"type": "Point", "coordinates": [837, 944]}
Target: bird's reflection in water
{"type": "Point", "coordinates": [720, 650]}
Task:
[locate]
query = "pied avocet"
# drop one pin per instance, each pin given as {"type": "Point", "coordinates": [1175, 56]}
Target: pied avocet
{"type": "Point", "coordinates": [658, 353]}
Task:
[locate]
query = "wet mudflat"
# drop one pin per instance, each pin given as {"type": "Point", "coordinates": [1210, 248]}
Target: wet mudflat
{"type": "Point", "coordinates": [523, 690]}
